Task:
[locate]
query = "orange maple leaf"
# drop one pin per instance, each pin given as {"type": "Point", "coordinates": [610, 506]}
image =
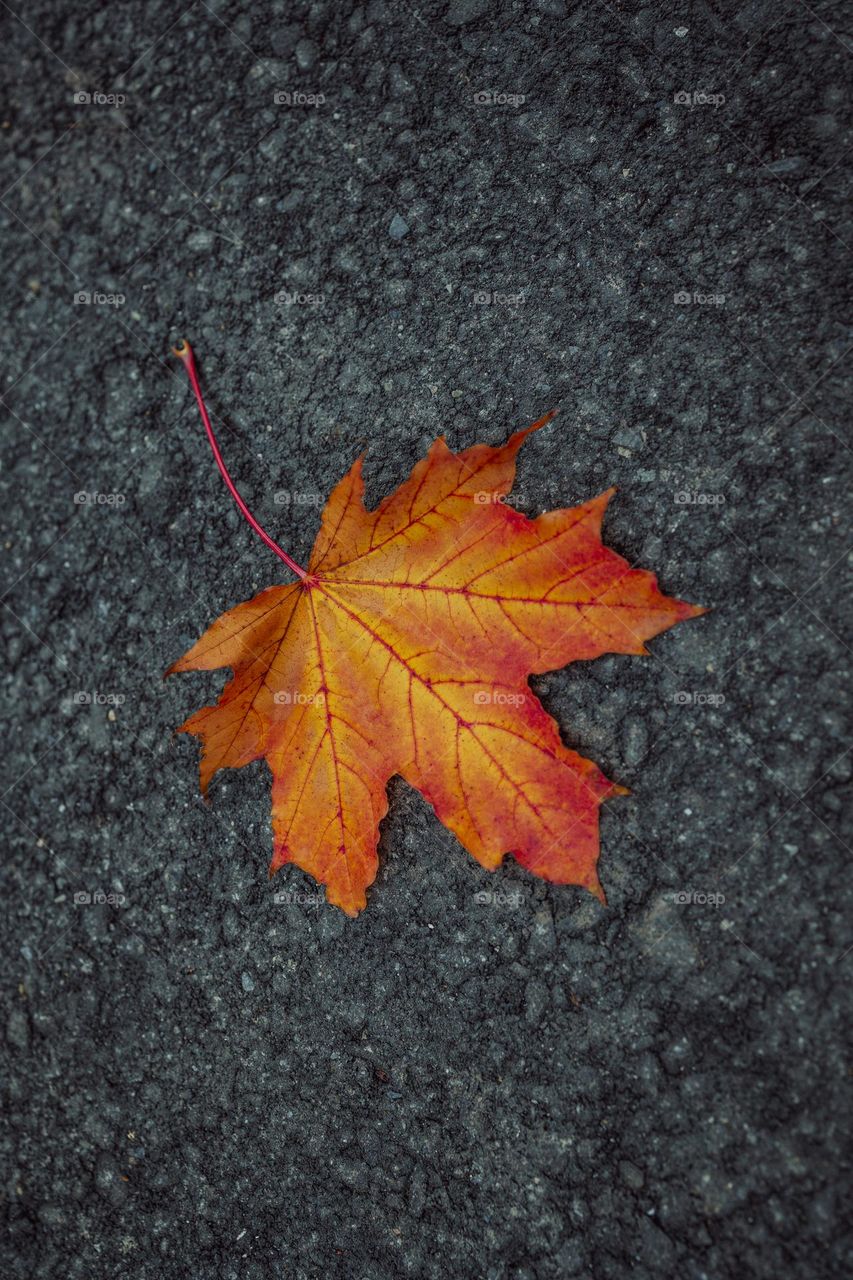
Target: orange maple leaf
{"type": "Point", "coordinates": [406, 649]}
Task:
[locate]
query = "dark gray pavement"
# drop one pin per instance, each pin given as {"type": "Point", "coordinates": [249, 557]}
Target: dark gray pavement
{"type": "Point", "coordinates": [203, 1083]}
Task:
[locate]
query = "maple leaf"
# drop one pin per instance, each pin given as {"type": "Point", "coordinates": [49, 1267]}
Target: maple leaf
{"type": "Point", "coordinates": [406, 649]}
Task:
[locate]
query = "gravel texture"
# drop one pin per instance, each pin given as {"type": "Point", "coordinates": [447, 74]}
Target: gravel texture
{"type": "Point", "coordinates": [453, 218]}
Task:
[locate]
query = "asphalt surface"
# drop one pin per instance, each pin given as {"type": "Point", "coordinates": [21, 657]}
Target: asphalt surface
{"type": "Point", "coordinates": [453, 219]}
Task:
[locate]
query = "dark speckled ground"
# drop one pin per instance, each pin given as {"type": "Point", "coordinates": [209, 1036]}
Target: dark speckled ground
{"type": "Point", "coordinates": [202, 1082]}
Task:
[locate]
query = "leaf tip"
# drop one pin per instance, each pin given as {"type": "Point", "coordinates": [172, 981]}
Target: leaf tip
{"type": "Point", "coordinates": [594, 887]}
{"type": "Point", "coordinates": [206, 772]}
{"type": "Point", "coordinates": [517, 439]}
{"type": "Point", "coordinates": [596, 508]}
{"type": "Point", "coordinates": [544, 420]}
